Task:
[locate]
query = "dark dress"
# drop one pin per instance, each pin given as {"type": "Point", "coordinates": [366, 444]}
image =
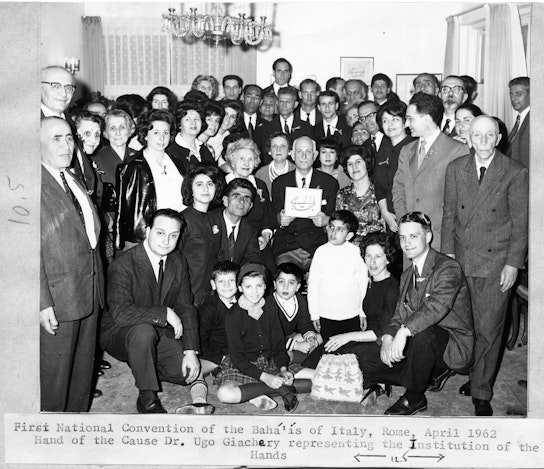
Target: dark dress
{"type": "Point", "coordinates": [184, 158]}
{"type": "Point", "coordinates": [199, 249]}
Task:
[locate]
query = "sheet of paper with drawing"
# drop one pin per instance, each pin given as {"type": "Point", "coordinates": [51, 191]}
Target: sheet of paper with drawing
{"type": "Point", "coordinates": [302, 203]}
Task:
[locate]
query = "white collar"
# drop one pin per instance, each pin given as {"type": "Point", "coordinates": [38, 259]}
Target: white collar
{"type": "Point", "coordinates": [154, 259]}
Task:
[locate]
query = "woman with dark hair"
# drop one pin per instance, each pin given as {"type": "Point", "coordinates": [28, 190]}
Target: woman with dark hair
{"type": "Point", "coordinates": [161, 97]}
{"type": "Point", "coordinates": [391, 119]}
{"type": "Point", "coordinates": [208, 84]}
{"type": "Point", "coordinates": [464, 115]}
{"type": "Point", "coordinates": [328, 153]}
{"type": "Point", "coordinates": [379, 305]}
{"type": "Point", "coordinates": [359, 197]}
{"type": "Point", "coordinates": [231, 123]}
{"type": "Point", "coordinates": [186, 148]}
{"type": "Point", "coordinates": [359, 134]}
{"type": "Point", "coordinates": [149, 180]}
{"type": "Point", "coordinates": [213, 118]}
{"type": "Point", "coordinates": [201, 189]}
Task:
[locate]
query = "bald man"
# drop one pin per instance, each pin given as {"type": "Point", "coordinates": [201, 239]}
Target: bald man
{"type": "Point", "coordinates": [71, 277]}
{"type": "Point", "coordinates": [485, 227]}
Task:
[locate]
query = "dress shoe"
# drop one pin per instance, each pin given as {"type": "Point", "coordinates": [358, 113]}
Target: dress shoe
{"type": "Point", "coordinates": [151, 406]}
{"type": "Point", "coordinates": [97, 393]}
{"type": "Point", "coordinates": [199, 408]}
{"type": "Point", "coordinates": [438, 382]}
{"type": "Point", "coordinates": [403, 407]}
{"type": "Point", "coordinates": [104, 365]}
{"type": "Point", "coordinates": [482, 408]}
{"type": "Point", "coordinates": [465, 389]}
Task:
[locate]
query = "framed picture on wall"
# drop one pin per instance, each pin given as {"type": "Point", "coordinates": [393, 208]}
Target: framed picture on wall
{"type": "Point", "coordinates": [361, 68]}
{"type": "Point", "coordinates": [405, 86]}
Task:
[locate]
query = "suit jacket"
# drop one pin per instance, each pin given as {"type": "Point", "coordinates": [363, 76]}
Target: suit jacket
{"type": "Point", "coordinates": [519, 148]}
{"type": "Point", "coordinates": [318, 116]}
{"type": "Point", "coordinates": [246, 247]}
{"type": "Point", "coordinates": [442, 298]}
{"type": "Point", "coordinates": [423, 189]}
{"type": "Point", "coordinates": [301, 232]}
{"type": "Point", "coordinates": [486, 225]}
{"type": "Point", "coordinates": [133, 295]}
{"type": "Point", "coordinates": [262, 134]}
{"type": "Point", "coordinates": [342, 131]}
{"type": "Point", "coordinates": [184, 159]}
{"type": "Point", "coordinates": [71, 275]}
{"type": "Point", "coordinates": [259, 122]}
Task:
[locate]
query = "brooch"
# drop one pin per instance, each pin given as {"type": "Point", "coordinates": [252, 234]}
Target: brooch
{"type": "Point", "coordinates": [215, 229]}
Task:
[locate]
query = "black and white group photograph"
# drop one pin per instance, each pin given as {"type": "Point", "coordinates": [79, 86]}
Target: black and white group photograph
{"type": "Point", "coordinates": [263, 209]}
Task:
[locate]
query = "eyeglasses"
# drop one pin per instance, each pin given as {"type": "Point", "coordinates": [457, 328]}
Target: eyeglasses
{"type": "Point", "coordinates": [57, 86]}
{"type": "Point", "coordinates": [455, 89]}
{"type": "Point", "coordinates": [367, 117]}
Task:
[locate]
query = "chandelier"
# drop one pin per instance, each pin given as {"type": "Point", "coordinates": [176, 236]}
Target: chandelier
{"type": "Point", "coordinates": [217, 26]}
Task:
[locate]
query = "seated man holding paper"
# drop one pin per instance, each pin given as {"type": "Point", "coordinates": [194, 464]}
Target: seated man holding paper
{"type": "Point", "coordinates": [303, 201]}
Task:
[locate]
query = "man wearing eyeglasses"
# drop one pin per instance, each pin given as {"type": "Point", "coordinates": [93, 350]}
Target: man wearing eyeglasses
{"type": "Point", "coordinates": [368, 111]}
{"type": "Point", "coordinates": [453, 93]}
{"type": "Point", "coordinates": [57, 91]}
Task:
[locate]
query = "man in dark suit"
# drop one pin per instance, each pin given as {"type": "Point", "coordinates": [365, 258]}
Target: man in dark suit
{"type": "Point", "coordinates": [283, 70]}
{"type": "Point", "coordinates": [308, 111]}
{"type": "Point", "coordinates": [287, 121]}
{"type": "Point", "coordinates": [431, 330]}
{"type": "Point", "coordinates": [296, 239]}
{"type": "Point", "coordinates": [331, 123]}
{"type": "Point", "coordinates": [71, 277]}
{"type": "Point", "coordinates": [485, 229]}
{"type": "Point", "coordinates": [518, 138]}
{"type": "Point", "coordinates": [232, 87]}
{"type": "Point", "coordinates": [238, 239]}
{"type": "Point", "coordinates": [151, 322]}
{"type": "Point", "coordinates": [252, 99]}
{"type": "Point", "coordinates": [453, 93]}
{"type": "Point", "coordinates": [368, 110]}
{"type": "Point", "coordinates": [419, 181]}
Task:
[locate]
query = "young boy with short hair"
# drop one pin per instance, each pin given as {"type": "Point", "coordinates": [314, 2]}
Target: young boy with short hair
{"type": "Point", "coordinates": [257, 367]}
{"type": "Point", "coordinates": [211, 318]}
{"type": "Point", "coordinates": [338, 280]}
{"type": "Point", "coordinates": [293, 310]}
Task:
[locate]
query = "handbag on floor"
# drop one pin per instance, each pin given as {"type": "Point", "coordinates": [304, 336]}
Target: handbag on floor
{"type": "Point", "coordinates": [338, 378]}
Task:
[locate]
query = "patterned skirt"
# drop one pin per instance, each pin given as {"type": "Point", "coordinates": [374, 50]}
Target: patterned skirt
{"type": "Point", "coordinates": [228, 372]}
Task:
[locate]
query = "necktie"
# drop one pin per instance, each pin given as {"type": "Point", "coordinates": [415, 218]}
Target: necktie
{"type": "Point", "coordinates": [286, 127]}
{"type": "Point", "coordinates": [308, 117]}
{"type": "Point", "coordinates": [373, 143]}
{"type": "Point", "coordinates": [161, 276]}
{"type": "Point", "coordinates": [303, 183]}
{"type": "Point", "coordinates": [421, 153]}
{"type": "Point", "coordinates": [446, 127]}
{"type": "Point", "coordinates": [232, 241]}
{"type": "Point", "coordinates": [250, 127]}
{"type": "Point", "coordinates": [72, 197]}
{"type": "Point", "coordinates": [515, 129]}
{"type": "Point", "coordinates": [328, 130]}
{"type": "Point", "coordinates": [482, 172]}
{"type": "Point", "coordinates": [415, 277]}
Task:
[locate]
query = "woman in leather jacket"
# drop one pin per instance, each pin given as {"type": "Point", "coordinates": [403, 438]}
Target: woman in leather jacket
{"type": "Point", "coordinates": [149, 180]}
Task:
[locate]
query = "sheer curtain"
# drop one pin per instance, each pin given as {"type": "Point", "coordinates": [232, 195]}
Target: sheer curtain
{"type": "Point", "coordinates": [94, 60]}
{"type": "Point", "coordinates": [140, 56]}
{"type": "Point", "coordinates": [506, 59]}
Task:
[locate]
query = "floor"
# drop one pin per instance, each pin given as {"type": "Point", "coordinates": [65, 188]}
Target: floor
{"type": "Point", "coordinates": [119, 394]}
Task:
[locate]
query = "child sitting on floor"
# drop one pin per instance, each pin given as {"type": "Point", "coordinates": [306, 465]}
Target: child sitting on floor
{"type": "Point", "coordinates": [293, 310]}
{"type": "Point", "coordinates": [211, 318]}
{"type": "Point", "coordinates": [257, 367]}
{"type": "Point", "coordinates": [337, 283]}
